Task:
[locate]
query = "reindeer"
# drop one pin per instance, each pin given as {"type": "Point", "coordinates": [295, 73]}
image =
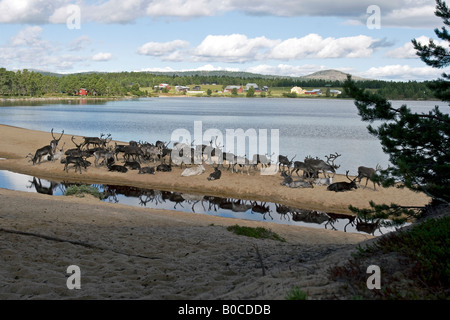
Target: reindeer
{"type": "Point", "coordinates": [284, 161]}
{"type": "Point", "coordinates": [148, 170]}
{"type": "Point", "coordinates": [95, 141]}
{"type": "Point", "coordinates": [289, 182]}
{"type": "Point", "coordinates": [194, 171]}
{"type": "Point", "coordinates": [78, 163]}
{"type": "Point", "coordinates": [58, 153]}
{"type": "Point", "coordinates": [261, 159]}
{"type": "Point", "coordinates": [117, 168]}
{"type": "Point", "coordinates": [299, 165]}
{"type": "Point", "coordinates": [243, 163]}
{"type": "Point", "coordinates": [133, 165]}
{"type": "Point", "coordinates": [151, 152]}
{"type": "Point", "coordinates": [343, 186]}
{"type": "Point", "coordinates": [314, 166]}
{"type": "Point", "coordinates": [164, 167]}
{"type": "Point", "coordinates": [215, 175]}
{"type": "Point", "coordinates": [210, 152]}
{"type": "Point", "coordinates": [103, 154]}
{"type": "Point", "coordinates": [229, 157]}
{"type": "Point", "coordinates": [76, 152]}
{"type": "Point", "coordinates": [132, 151]}
{"type": "Point", "coordinates": [369, 174]}
{"type": "Point", "coordinates": [46, 150]}
{"type": "Point", "coordinates": [54, 142]}
{"type": "Point", "coordinates": [118, 149]}
{"type": "Point", "coordinates": [323, 181]}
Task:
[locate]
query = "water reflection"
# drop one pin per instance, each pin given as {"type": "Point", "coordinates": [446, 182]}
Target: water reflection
{"type": "Point", "coordinates": [202, 204]}
{"type": "Point", "coordinates": [43, 102]}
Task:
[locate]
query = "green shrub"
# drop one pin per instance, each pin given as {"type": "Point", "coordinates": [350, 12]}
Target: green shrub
{"type": "Point", "coordinates": [81, 190]}
{"type": "Point", "coordinates": [296, 294]}
{"type": "Point", "coordinates": [259, 232]}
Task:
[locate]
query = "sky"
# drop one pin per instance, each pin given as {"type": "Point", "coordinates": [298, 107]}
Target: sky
{"type": "Point", "coordinates": [367, 38]}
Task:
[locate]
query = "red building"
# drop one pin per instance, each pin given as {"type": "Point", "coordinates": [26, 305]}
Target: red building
{"type": "Point", "coordinates": [83, 92]}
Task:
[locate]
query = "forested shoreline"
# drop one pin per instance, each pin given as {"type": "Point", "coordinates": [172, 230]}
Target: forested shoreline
{"type": "Point", "coordinates": [26, 83]}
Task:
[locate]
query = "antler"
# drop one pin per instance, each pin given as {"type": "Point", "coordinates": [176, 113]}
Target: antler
{"type": "Point", "coordinates": [77, 145]}
{"type": "Point", "coordinates": [59, 136]}
{"type": "Point", "coordinates": [333, 157]}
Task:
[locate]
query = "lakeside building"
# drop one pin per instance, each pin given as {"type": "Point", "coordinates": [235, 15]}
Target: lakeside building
{"type": "Point", "coordinates": [297, 90]}
{"type": "Point", "coordinates": [230, 88]}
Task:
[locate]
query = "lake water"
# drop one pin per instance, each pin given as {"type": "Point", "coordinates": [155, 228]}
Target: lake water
{"type": "Point", "coordinates": [245, 209]}
{"type": "Point", "coordinates": [307, 127]}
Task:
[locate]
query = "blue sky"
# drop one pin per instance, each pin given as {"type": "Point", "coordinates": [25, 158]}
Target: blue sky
{"type": "Point", "coordinates": [286, 37]}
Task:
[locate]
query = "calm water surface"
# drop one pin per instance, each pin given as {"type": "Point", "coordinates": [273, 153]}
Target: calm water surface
{"type": "Point", "coordinates": [201, 204]}
{"type": "Point", "coordinates": [307, 127]}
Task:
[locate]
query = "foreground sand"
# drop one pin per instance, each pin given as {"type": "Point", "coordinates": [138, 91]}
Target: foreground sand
{"type": "Point", "coordinates": [139, 253]}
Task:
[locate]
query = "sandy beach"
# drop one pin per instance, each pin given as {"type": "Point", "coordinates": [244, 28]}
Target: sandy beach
{"type": "Point", "coordinates": [139, 253]}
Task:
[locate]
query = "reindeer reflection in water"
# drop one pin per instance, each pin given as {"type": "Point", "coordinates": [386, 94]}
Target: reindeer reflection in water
{"type": "Point", "coordinates": [40, 188]}
{"type": "Point", "coordinates": [261, 208]}
{"type": "Point", "coordinates": [335, 217]}
{"type": "Point", "coordinates": [219, 204]}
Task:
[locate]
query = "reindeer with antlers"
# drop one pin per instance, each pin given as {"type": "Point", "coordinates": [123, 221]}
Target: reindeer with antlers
{"type": "Point", "coordinates": [96, 142]}
{"type": "Point", "coordinates": [285, 162]}
{"type": "Point", "coordinates": [54, 143]}
{"type": "Point", "coordinates": [314, 166]}
{"type": "Point", "coordinates": [48, 150]}
{"type": "Point", "coordinates": [369, 174]}
{"type": "Point", "coordinates": [76, 152]}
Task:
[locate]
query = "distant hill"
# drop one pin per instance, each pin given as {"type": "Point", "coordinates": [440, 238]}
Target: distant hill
{"type": "Point", "coordinates": [331, 75]}
{"type": "Point", "coordinates": [234, 74]}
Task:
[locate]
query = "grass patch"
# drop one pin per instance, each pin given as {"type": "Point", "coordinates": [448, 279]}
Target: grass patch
{"type": "Point", "coordinates": [296, 294]}
{"type": "Point", "coordinates": [259, 232]}
{"type": "Point", "coordinates": [82, 190]}
{"type": "Point", "coordinates": [415, 264]}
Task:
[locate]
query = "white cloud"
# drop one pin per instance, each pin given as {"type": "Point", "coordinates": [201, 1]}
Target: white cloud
{"type": "Point", "coordinates": [102, 56]}
{"type": "Point", "coordinates": [80, 43]}
{"type": "Point", "coordinates": [25, 11]}
{"type": "Point", "coordinates": [30, 36]}
{"type": "Point", "coordinates": [402, 72]}
{"type": "Point", "coordinates": [421, 15]}
{"type": "Point", "coordinates": [314, 46]}
{"type": "Point", "coordinates": [27, 49]}
{"type": "Point", "coordinates": [401, 13]}
{"type": "Point", "coordinates": [161, 49]}
{"type": "Point", "coordinates": [210, 67]}
{"type": "Point", "coordinates": [407, 51]}
{"type": "Point", "coordinates": [232, 48]}
{"type": "Point", "coordinates": [186, 9]}
{"type": "Point", "coordinates": [285, 69]}
{"type": "Point", "coordinates": [206, 67]}
{"type": "Point", "coordinates": [238, 48]}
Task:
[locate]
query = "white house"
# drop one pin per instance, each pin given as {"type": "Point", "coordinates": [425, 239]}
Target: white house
{"type": "Point", "coordinates": [297, 90]}
{"type": "Point", "coordinates": [249, 85]}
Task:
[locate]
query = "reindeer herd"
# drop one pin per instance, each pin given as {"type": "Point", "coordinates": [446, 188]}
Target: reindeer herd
{"type": "Point", "coordinates": [140, 155]}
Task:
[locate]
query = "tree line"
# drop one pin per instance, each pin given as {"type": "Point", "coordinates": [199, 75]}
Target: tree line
{"type": "Point", "coordinates": [31, 83]}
